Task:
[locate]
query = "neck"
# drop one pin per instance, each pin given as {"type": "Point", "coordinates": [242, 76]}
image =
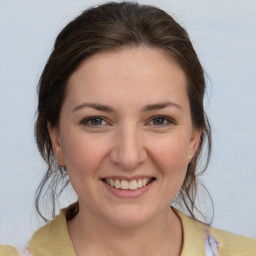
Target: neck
{"type": "Point", "coordinates": [93, 236]}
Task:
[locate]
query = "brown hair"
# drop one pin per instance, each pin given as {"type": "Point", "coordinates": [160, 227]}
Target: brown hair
{"type": "Point", "coordinates": [112, 26]}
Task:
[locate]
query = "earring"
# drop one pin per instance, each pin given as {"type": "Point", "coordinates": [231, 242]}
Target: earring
{"type": "Point", "coordinates": [190, 157]}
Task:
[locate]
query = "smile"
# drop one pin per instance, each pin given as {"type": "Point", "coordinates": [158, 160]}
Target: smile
{"type": "Point", "coordinates": [128, 185]}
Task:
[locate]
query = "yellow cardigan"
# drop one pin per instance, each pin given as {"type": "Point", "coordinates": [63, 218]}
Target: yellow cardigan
{"type": "Point", "coordinates": [53, 240]}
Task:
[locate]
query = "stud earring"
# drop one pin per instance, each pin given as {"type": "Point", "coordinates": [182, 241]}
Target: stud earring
{"type": "Point", "coordinates": [190, 157]}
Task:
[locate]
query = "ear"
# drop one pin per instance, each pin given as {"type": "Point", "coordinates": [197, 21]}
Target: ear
{"type": "Point", "coordinates": [56, 144]}
{"type": "Point", "coordinates": [194, 142]}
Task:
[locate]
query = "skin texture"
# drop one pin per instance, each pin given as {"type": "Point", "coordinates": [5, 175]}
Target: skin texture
{"type": "Point", "coordinates": [128, 138]}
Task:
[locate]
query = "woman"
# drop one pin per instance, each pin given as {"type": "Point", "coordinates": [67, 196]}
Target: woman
{"type": "Point", "coordinates": [121, 116]}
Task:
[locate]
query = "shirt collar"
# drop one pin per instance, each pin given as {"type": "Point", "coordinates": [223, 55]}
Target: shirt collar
{"type": "Point", "coordinates": [193, 235]}
{"type": "Point", "coordinates": [54, 239]}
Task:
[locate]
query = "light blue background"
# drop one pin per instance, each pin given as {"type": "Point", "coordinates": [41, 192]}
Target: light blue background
{"type": "Point", "coordinates": [224, 35]}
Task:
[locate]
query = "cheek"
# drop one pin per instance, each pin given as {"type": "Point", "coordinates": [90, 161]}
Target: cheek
{"type": "Point", "coordinates": [82, 155]}
{"type": "Point", "coordinates": [172, 151]}
{"type": "Point", "coordinates": [171, 158]}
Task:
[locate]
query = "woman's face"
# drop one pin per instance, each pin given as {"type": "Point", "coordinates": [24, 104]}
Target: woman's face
{"type": "Point", "coordinates": [125, 134]}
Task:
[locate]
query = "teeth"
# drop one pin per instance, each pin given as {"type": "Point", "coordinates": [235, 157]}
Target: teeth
{"type": "Point", "coordinates": [117, 184]}
{"type": "Point", "coordinates": [124, 184]}
{"type": "Point", "coordinates": [131, 185]}
{"type": "Point", "coordinates": [112, 183]}
{"type": "Point", "coordinates": [139, 184]}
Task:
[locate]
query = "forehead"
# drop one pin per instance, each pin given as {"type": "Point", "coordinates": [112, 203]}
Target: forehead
{"type": "Point", "coordinates": [142, 73]}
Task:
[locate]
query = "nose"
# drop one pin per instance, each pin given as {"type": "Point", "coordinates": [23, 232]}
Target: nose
{"type": "Point", "coordinates": [128, 150]}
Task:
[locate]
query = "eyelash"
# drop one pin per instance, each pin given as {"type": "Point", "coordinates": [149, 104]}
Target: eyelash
{"type": "Point", "coordinates": [86, 121]}
{"type": "Point", "coordinates": [164, 118]}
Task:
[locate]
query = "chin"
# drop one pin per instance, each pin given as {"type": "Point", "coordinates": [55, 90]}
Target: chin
{"type": "Point", "coordinates": [129, 217]}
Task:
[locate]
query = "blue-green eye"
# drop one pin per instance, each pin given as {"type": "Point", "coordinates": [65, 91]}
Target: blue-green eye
{"type": "Point", "coordinates": [93, 121]}
{"type": "Point", "coordinates": [161, 121]}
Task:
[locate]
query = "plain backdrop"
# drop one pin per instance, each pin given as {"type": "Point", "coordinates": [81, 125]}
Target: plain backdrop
{"type": "Point", "coordinates": [224, 36]}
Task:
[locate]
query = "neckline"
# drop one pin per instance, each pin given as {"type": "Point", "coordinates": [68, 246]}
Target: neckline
{"type": "Point", "coordinates": [54, 239]}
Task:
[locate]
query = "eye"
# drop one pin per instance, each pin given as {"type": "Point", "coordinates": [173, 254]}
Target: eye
{"type": "Point", "coordinates": [93, 121]}
{"type": "Point", "coordinates": [161, 121]}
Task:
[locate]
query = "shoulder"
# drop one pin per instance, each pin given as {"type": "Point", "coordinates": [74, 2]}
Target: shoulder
{"type": "Point", "coordinates": [233, 244]}
{"type": "Point", "coordinates": [57, 228]}
{"type": "Point", "coordinates": [53, 238]}
{"type": "Point", "coordinates": [199, 238]}
{"type": "Point", "coordinates": [45, 236]}
{"type": "Point", "coordinates": [7, 250]}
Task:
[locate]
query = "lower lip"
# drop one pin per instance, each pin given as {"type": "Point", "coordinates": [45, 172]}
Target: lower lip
{"type": "Point", "coordinates": [126, 193]}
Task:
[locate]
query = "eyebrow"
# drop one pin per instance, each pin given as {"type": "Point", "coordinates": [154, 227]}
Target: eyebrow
{"type": "Point", "coordinates": [160, 105]}
{"type": "Point", "coordinates": [109, 109]}
{"type": "Point", "coordinates": [95, 106]}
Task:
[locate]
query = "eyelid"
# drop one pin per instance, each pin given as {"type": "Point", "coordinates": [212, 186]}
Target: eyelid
{"type": "Point", "coordinates": [85, 121]}
{"type": "Point", "coordinates": [170, 120]}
